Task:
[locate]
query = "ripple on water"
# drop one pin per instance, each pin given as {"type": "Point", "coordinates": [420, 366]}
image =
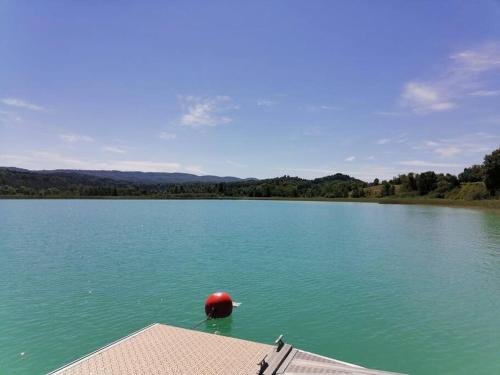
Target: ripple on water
{"type": "Point", "coordinates": [404, 288]}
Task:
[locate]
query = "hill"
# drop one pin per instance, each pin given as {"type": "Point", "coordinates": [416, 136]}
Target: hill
{"type": "Point", "coordinates": [138, 177]}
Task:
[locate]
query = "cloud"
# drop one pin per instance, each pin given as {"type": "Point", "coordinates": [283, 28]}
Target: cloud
{"type": "Point", "coordinates": [205, 111]}
{"type": "Point", "coordinates": [73, 138]}
{"type": "Point", "coordinates": [196, 169]}
{"type": "Point", "coordinates": [461, 75]}
{"type": "Point", "coordinates": [9, 117]}
{"type": "Point", "coordinates": [383, 141]}
{"type": "Point", "coordinates": [51, 160]}
{"type": "Point", "coordinates": [430, 164]}
{"type": "Point", "coordinates": [114, 149]}
{"type": "Point", "coordinates": [265, 103]}
{"type": "Point", "coordinates": [350, 158]}
{"type": "Point", "coordinates": [468, 145]}
{"type": "Point", "coordinates": [321, 107]}
{"type": "Point", "coordinates": [19, 103]}
{"type": "Point", "coordinates": [424, 98]}
{"type": "Point", "coordinates": [485, 93]}
{"type": "Point", "coordinates": [447, 151]}
{"type": "Point", "coordinates": [167, 136]}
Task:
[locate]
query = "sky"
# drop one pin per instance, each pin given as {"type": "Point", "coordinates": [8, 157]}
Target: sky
{"type": "Point", "coordinates": [250, 88]}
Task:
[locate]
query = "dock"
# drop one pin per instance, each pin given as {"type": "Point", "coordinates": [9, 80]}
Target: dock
{"type": "Point", "coordinates": [163, 349]}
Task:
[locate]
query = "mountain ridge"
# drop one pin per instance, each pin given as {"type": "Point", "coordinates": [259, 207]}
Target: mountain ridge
{"type": "Point", "coordinates": [137, 177]}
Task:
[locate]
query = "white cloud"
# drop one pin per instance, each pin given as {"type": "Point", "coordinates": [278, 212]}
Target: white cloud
{"type": "Point", "coordinates": [72, 138]}
{"type": "Point", "coordinates": [114, 149]}
{"type": "Point", "coordinates": [265, 103]}
{"type": "Point", "coordinates": [350, 158]}
{"type": "Point", "coordinates": [320, 107]}
{"type": "Point", "coordinates": [383, 141]}
{"type": "Point", "coordinates": [468, 145]}
{"type": "Point", "coordinates": [205, 111]}
{"type": "Point", "coordinates": [430, 164]}
{"type": "Point", "coordinates": [196, 169]}
{"type": "Point", "coordinates": [167, 136]}
{"type": "Point", "coordinates": [52, 160]}
{"type": "Point", "coordinates": [9, 117]}
{"type": "Point", "coordinates": [485, 93]}
{"type": "Point", "coordinates": [19, 103]}
{"type": "Point", "coordinates": [447, 151]}
{"type": "Point", "coordinates": [460, 76]}
{"type": "Point", "coordinates": [424, 98]}
{"type": "Point", "coordinates": [431, 143]}
{"type": "Point", "coordinates": [481, 59]}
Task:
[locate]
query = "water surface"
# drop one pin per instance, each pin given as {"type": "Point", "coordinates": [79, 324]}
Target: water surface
{"type": "Point", "coordinates": [404, 288]}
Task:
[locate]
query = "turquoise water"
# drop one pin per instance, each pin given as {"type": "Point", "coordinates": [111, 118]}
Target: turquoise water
{"type": "Point", "coordinates": [405, 288]}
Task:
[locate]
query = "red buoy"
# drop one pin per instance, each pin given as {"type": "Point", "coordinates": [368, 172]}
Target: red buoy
{"type": "Point", "coordinates": [218, 305]}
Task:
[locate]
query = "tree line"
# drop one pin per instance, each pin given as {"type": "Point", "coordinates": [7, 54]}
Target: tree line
{"type": "Point", "coordinates": [476, 182]}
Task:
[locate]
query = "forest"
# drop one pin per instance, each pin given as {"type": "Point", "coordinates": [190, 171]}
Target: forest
{"type": "Point", "coordinates": [477, 182]}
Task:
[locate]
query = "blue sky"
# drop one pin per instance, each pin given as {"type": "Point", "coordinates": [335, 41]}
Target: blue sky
{"type": "Point", "coordinates": [258, 88]}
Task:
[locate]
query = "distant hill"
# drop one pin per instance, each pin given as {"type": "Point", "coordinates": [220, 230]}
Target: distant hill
{"type": "Point", "coordinates": [337, 177]}
{"type": "Point", "coordinates": [141, 178]}
{"type": "Point", "coordinates": [29, 181]}
{"type": "Point", "coordinates": [83, 183]}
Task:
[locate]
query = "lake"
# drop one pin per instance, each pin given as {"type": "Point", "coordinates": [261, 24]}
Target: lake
{"type": "Point", "coordinates": [414, 289]}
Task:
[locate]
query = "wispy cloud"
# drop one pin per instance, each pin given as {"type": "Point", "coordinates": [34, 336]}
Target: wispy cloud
{"type": "Point", "coordinates": [458, 79]}
{"type": "Point", "coordinates": [467, 145]}
{"type": "Point", "coordinates": [265, 103]}
{"type": "Point", "coordinates": [114, 149]}
{"type": "Point", "coordinates": [320, 107]}
{"type": "Point", "coordinates": [167, 136]}
{"type": "Point", "coordinates": [447, 151]}
{"type": "Point", "coordinates": [210, 111]}
{"type": "Point", "coordinates": [196, 169]}
{"type": "Point", "coordinates": [9, 117]}
{"type": "Point", "coordinates": [398, 138]}
{"type": "Point", "coordinates": [73, 138]}
{"type": "Point", "coordinates": [427, 164]}
{"type": "Point", "coordinates": [485, 93]}
{"type": "Point", "coordinates": [350, 158]}
{"type": "Point", "coordinates": [52, 160]}
{"type": "Point", "coordinates": [19, 103]}
{"type": "Point", "coordinates": [423, 97]}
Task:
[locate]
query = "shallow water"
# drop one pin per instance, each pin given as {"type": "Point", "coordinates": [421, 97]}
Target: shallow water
{"type": "Point", "coordinates": [404, 288]}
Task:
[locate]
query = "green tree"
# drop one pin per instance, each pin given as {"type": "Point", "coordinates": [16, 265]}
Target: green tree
{"type": "Point", "coordinates": [472, 174]}
{"type": "Point", "coordinates": [387, 189]}
{"type": "Point", "coordinates": [492, 171]}
{"type": "Point", "coordinates": [445, 183]}
{"type": "Point", "coordinates": [426, 182]}
{"type": "Point", "coordinates": [408, 182]}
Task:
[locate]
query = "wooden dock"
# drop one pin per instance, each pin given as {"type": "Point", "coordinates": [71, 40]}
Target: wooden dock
{"type": "Point", "coordinates": [162, 349]}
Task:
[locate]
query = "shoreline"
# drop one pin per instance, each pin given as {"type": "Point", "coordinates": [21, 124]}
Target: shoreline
{"type": "Point", "coordinates": [490, 204]}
